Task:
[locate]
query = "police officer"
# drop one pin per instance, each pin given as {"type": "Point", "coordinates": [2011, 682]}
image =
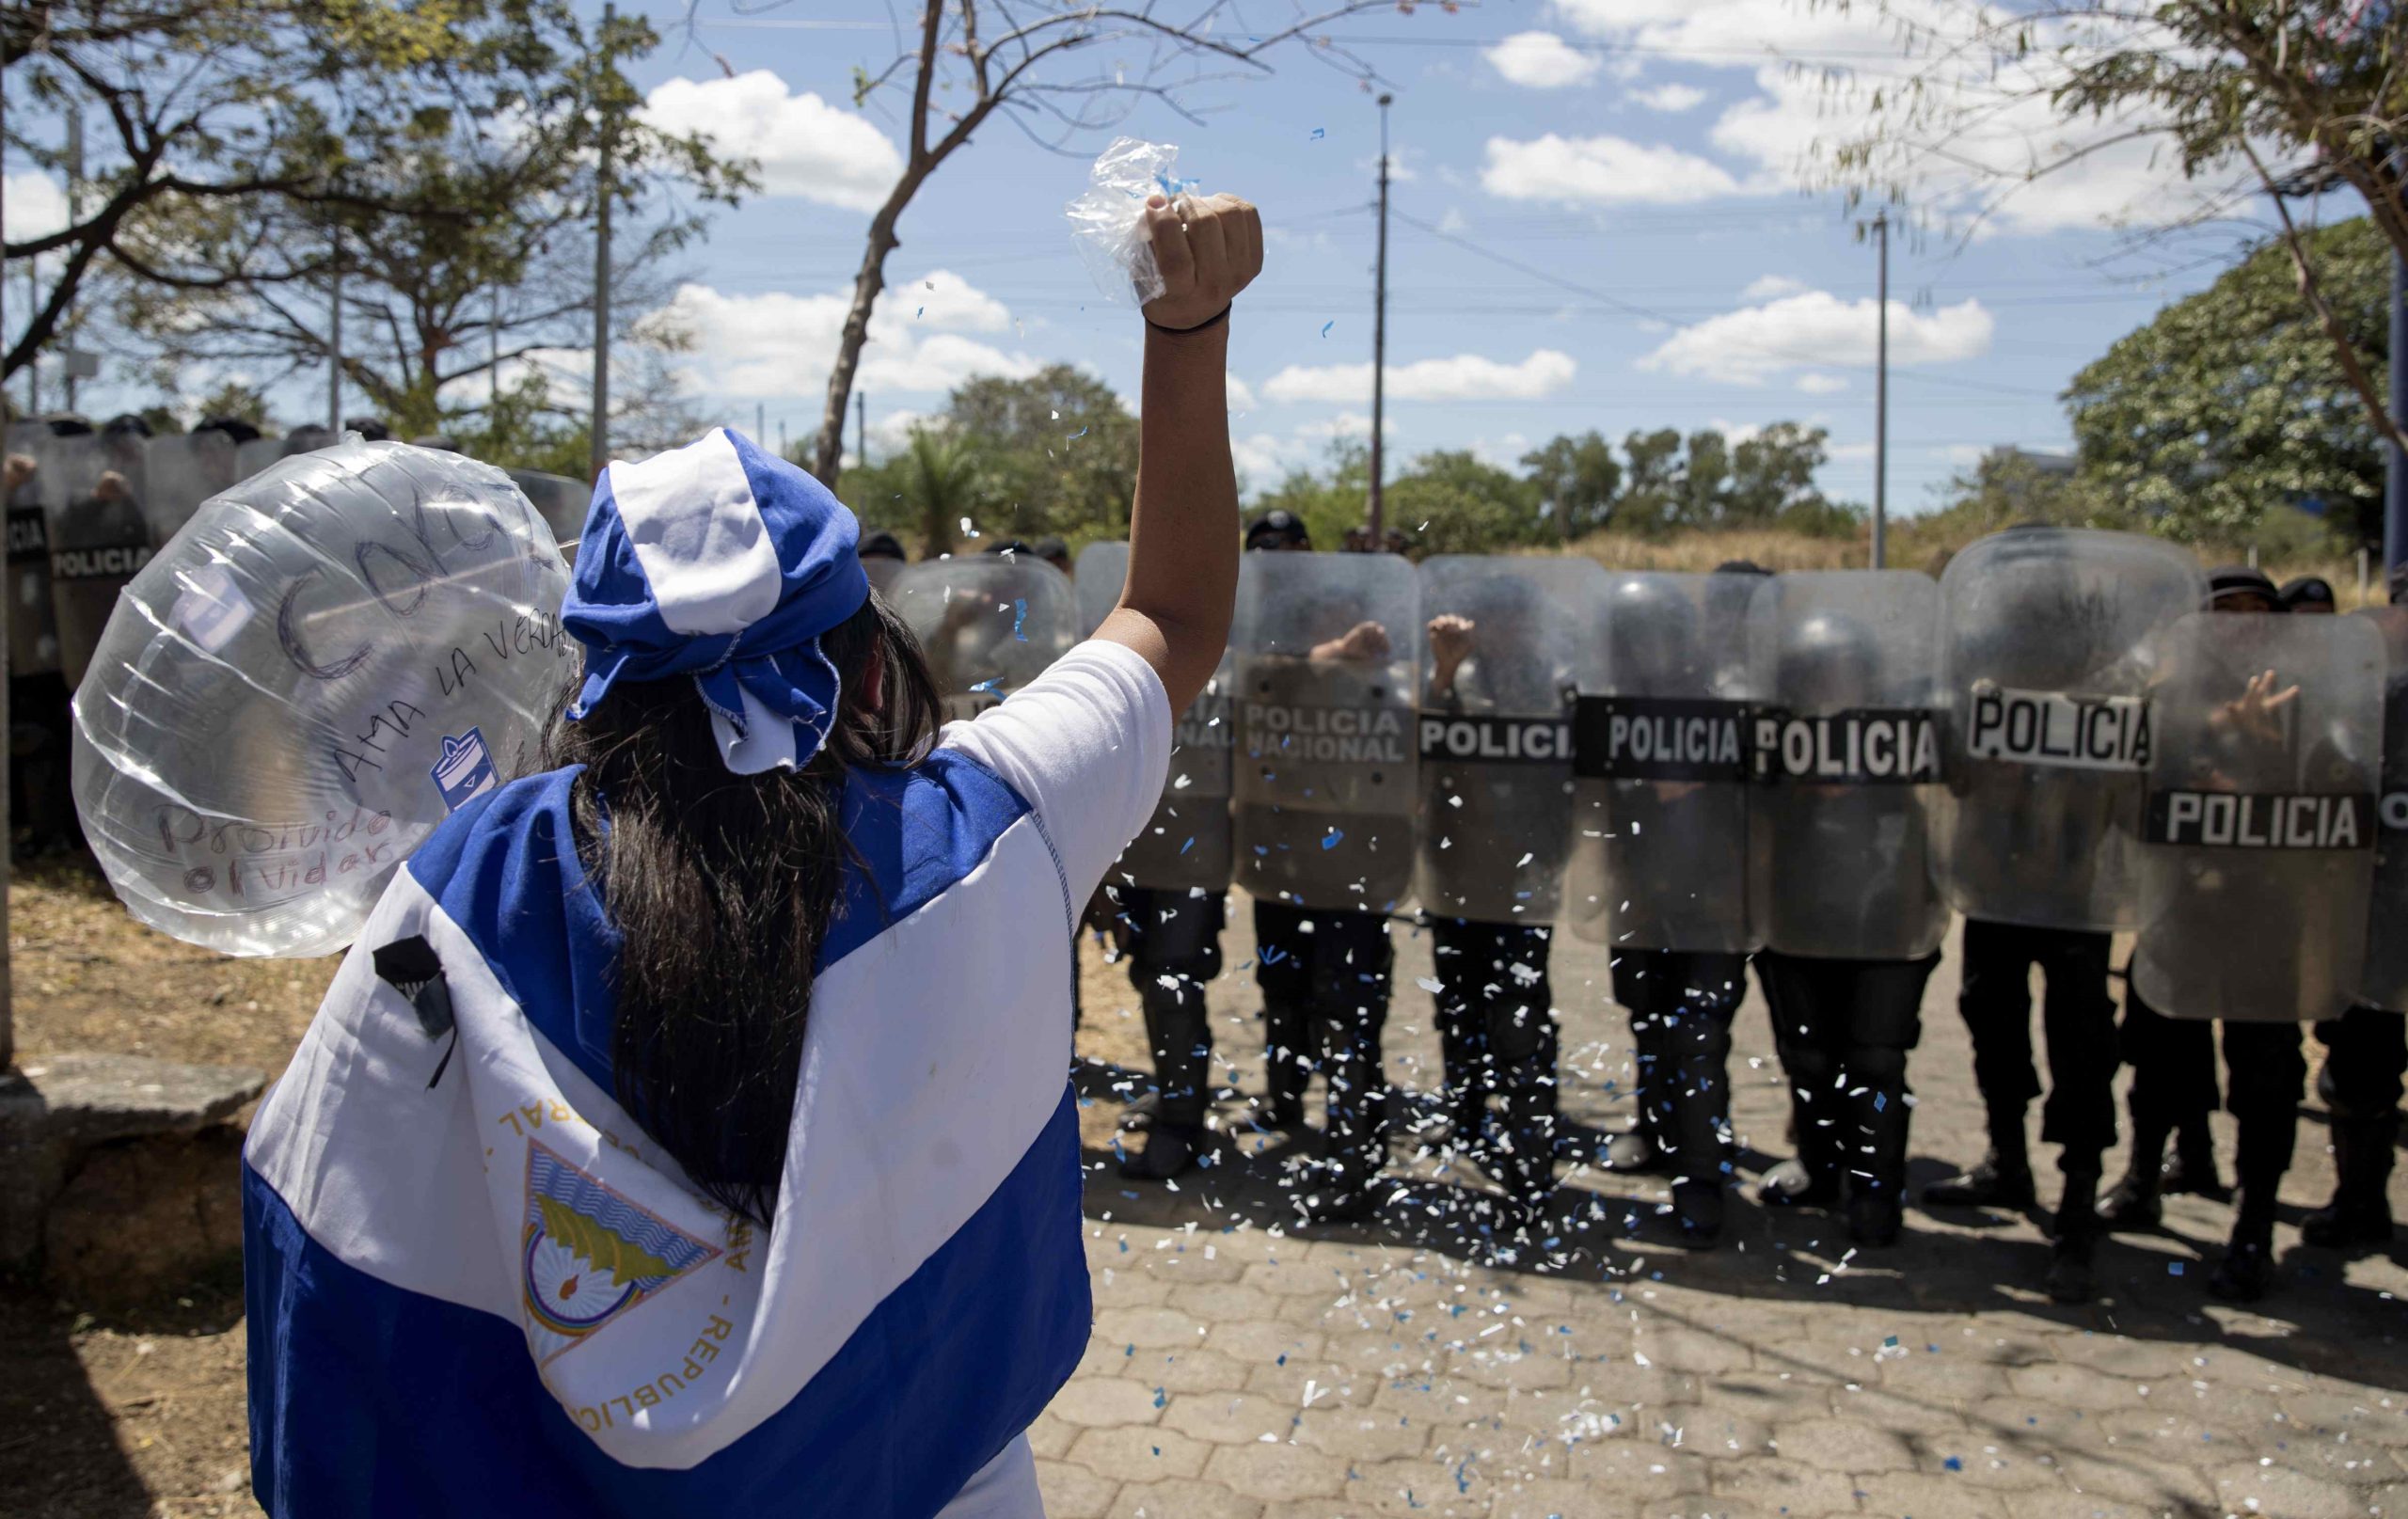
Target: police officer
{"type": "Point", "coordinates": [1493, 838]}
{"type": "Point", "coordinates": [1326, 972]}
{"type": "Point", "coordinates": [2312, 594]}
{"type": "Point", "coordinates": [881, 556]}
{"type": "Point", "coordinates": [1172, 941]}
{"type": "Point", "coordinates": [1682, 1002]}
{"type": "Point", "coordinates": [2366, 1049]}
{"type": "Point", "coordinates": [2045, 624]}
{"type": "Point", "coordinates": [1846, 956]}
{"type": "Point", "coordinates": [2174, 1060]}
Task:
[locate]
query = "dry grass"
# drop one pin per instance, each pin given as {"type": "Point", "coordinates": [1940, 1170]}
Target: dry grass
{"type": "Point", "coordinates": [1913, 545]}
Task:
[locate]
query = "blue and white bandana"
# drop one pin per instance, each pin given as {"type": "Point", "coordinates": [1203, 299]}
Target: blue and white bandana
{"type": "Point", "coordinates": [724, 562]}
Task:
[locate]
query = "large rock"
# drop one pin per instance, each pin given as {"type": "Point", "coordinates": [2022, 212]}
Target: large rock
{"type": "Point", "coordinates": [57, 1110]}
{"type": "Point", "coordinates": [144, 1217]}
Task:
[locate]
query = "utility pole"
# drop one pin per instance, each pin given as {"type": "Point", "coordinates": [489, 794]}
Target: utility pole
{"type": "Point", "coordinates": [334, 338]}
{"type": "Point", "coordinates": [68, 356]}
{"type": "Point", "coordinates": [760, 421]}
{"type": "Point", "coordinates": [33, 365]}
{"type": "Point", "coordinates": [600, 428]}
{"type": "Point", "coordinates": [1380, 338]}
{"type": "Point", "coordinates": [493, 360]}
{"type": "Point", "coordinates": [2395, 467]}
{"type": "Point", "coordinates": [1881, 404]}
{"type": "Point", "coordinates": [860, 429]}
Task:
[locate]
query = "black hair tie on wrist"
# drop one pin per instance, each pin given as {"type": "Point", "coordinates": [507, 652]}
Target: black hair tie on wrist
{"type": "Point", "coordinates": [1213, 321]}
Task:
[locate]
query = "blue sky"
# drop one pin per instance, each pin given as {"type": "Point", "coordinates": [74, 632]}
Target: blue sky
{"type": "Point", "coordinates": [1604, 216]}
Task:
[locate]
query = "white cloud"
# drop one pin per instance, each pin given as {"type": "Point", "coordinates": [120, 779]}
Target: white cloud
{"type": "Point", "coordinates": [805, 146]}
{"type": "Point", "coordinates": [36, 206]}
{"type": "Point", "coordinates": [776, 343]}
{"type": "Point", "coordinates": [1671, 99]}
{"type": "Point", "coordinates": [1264, 459]}
{"type": "Point", "coordinates": [1601, 171]}
{"type": "Point", "coordinates": [1819, 67]}
{"type": "Point", "coordinates": [1241, 396]}
{"type": "Point", "coordinates": [1462, 378]}
{"type": "Point", "coordinates": [1502, 452]}
{"type": "Point", "coordinates": [1817, 383]}
{"type": "Point", "coordinates": [1770, 286]}
{"type": "Point", "coordinates": [1541, 60]}
{"type": "Point", "coordinates": [1800, 332]}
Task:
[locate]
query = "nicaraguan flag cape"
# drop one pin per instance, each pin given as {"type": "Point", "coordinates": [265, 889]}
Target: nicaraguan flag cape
{"type": "Point", "coordinates": [474, 1285]}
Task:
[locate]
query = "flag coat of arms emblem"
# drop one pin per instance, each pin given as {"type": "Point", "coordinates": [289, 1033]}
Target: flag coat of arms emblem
{"type": "Point", "coordinates": [465, 770]}
{"type": "Point", "coordinates": [476, 1287]}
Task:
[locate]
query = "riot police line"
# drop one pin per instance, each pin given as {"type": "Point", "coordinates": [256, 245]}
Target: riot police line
{"type": "Point", "coordinates": [87, 507]}
{"type": "Point", "coordinates": [2067, 737]}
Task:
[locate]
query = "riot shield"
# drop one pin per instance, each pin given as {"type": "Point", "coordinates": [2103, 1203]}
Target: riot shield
{"type": "Point", "coordinates": [2259, 832]}
{"type": "Point", "coordinates": [1185, 845]}
{"type": "Point", "coordinates": [1659, 848]}
{"type": "Point", "coordinates": [1502, 657]}
{"type": "Point", "coordinates": [881, 572]}
{"type": "Point", "coordinates": [989, 623]}
{"type": "Point", "coordinates": [324, 665]}
{"type": "Point", "coordinates": [1847, 757]}
{"type": "Point", "coordinates": [1323, 784]}
{"type": "Point", "coordinates": [184, 471]}
{"type": "Point", "coordinates": [261, 454]}
{"type": "Point", "coordinates": [33, 627]}
{"type": "Point", "coordinates": [99, 536]}
{"type": "Point", "coordinates": [2046, 640]}
{"type": "Point", "coordinates": [2386, 981]}
{"type": "Point", "coordinates": [561, 501]}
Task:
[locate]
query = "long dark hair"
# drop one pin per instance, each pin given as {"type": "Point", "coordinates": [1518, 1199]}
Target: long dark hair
{"type": "Point", "coordinates": [721, 888]}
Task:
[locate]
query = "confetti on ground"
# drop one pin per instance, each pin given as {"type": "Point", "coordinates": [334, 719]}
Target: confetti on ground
{"type": "Point", "coordinates": [1319, 133]}
{"type": "Point", "coordinates": [1326, 325]}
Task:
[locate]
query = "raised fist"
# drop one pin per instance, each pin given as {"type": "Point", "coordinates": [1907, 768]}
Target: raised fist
{"type": "Point", "coordinates": [1208, 249]}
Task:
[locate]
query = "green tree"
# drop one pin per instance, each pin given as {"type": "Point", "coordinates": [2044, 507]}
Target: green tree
{"type": "Point", "coordinates": [1651, 493]}
{"type": "Point", "coordinates": [1577, 479]}
{"type": "Point", "coordinates": [1772, 483]}
{"type": "Point", "coordinates": [1058, 446]}
{"type": "Point", "coordinates": [2233, 401]}
{"type": "Point", "coordinates": [927, 489]}
{"type": "Point", "coordinates": [1328, 506]}
{"type": "Point", "coordinates": [1706, 476]}
{"type": "Point", "coordinates": [2254, 100]}
{"type": "Point", "coordinates": [1451, 503]}
{"type": "Point", "coordinates": [473, 256]}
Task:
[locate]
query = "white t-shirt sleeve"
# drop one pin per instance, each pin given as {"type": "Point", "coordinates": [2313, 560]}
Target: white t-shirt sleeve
{"type": "Point", "coordinates": [1087, 745]}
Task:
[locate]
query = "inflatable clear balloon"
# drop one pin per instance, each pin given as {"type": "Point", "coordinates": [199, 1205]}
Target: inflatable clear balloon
{"type": "Point", "coordinates": [326, 662]}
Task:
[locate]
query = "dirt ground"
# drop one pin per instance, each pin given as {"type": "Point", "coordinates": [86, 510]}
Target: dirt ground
{"type": "Point", "coordinates": [142, 1413]}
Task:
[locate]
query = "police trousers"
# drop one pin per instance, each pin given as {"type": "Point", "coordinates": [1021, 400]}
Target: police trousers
{"type": "Point", "coordinates": [2174, 1082]}
{"type": "Point", "coordinates": [1325, 976]}
{"type": "Point", "coordinates": [1843, 1028]}
{"type": "Point", "coordinates": [2077, 1014]}
{"type": "Point", "coordinates": [1497, 1035]}
{"type": "Point", "coordinates": [2366, 1055]}
{"type": "Point", "coordinates": [1172, 941]}
{"type": "Point", "coordinates": [1681, 1006]}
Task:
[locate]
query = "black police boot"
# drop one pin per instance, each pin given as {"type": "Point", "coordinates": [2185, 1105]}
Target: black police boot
{"type": "Point", "coordinates": [1698, 1207]}
{"type": "Point", "coordinates": [2246, 1273]}
{"type": "Point", "coordinates": [1523, 1159]}
{"type": "Point", "coordinates": [2003, 1177]}
{"type": "Point", "coordinates": [1341, 1187]}
{"type": "Point", "coordinates": [1171, 1150]}
{"type": "Point", "coordinates": [2192, 1170]}
{"type": "Point", "coordinates": [2360, 1212]}
{"type": "Point", "coordinates": [2132, 1202]}
{"type": "Point", "coordinates": [2074, 1239]}
{"type": "Point", "coordinates": [1285, 1071]}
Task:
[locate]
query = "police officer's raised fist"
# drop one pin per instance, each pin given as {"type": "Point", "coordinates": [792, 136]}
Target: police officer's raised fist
{"type": "Point", "coordinates": [1208, 247]}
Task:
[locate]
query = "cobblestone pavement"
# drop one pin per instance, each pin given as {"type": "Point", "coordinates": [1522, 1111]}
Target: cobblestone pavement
{"type": "Point", "coordinates": [1243, 1367]}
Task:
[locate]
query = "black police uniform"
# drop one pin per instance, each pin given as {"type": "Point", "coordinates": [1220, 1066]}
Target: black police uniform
{"type": "Point", "coordinates": [1681, 1004]}
{"type": "Point", "coordinates": [2366, 1054]}
{"type": "Point", "coordinates": [1843, 1029]}
{"type": "Point", "coordinates": [2078, 1017]}
{"type": "Point", "coordinates": [1172, 944]}
{"type": "Point", "coordinates": [1324, 975]}
{"type": "Point", "coordinates": [1497, 1038]}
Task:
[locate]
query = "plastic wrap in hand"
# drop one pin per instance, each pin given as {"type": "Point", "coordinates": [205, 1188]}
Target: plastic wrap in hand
{"type": "Point", "coordinates": [1108, 222]}
{"type": "Point", "coordinates": [323, 664]}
